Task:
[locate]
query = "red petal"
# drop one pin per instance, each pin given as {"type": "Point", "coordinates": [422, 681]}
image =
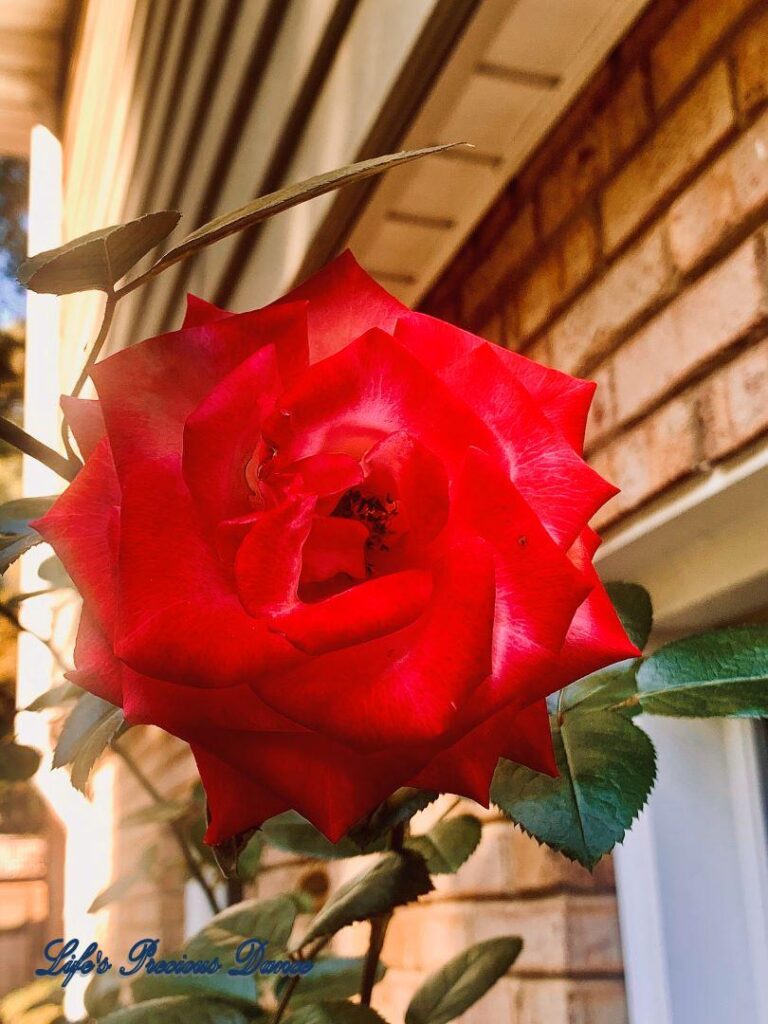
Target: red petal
{"type": "Point", "coordinates": [221, 434]}
{"type": "Point", "coordinates": [538, 587]}
{"type": "Point", "coordinates": [200, 312]}
{"type": "Point", "coordinates": [148, 391]}
{"type": "Point", "coordinates": [596, 637]}
{"type": "Point", "coordinates": [268, 561]}
{"type": "Point", "coordinates": [467, 766]}
{"type": "Point", "coordinates": [556, 482]}
{"type": "Point", "coordinates": [96, 668]}
{"type": "Point", "coordinates": [327, 473]}
{"type": "Point", "coordinates": [400, 465]}
{"type": "Point", "coordinates": [435, 343]}
{"type": "Point", "coordinates": [364, 612]}
{"type": "Point", "coordinates": [407, 687]}
{"type": "Point", "coordinates": [236, 801]}
{"type": "Point", "coordinates": [360, 395]}
{"type": "Point", "coordinates": [86, 422]}
{"type": "Point", "coordinates": [344, 302]}
{"type": "Point", "coordinates": [334, 546]}
{"type": "Point", "coordinates": [563, 399]}
{"type": "Point", "coordinates": [82, 527]}
{"type": "Point", "coordinates": [179, 617]}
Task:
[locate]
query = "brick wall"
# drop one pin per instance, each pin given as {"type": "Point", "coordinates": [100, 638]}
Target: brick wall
{"type": "Point", "coordinates": [632, 248]}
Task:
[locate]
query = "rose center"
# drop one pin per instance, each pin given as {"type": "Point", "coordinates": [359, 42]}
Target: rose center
{"type": "Point", "coordinates": [373, 512]}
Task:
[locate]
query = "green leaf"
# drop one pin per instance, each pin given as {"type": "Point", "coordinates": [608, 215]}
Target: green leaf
{"type": "Point", "coordinates": [267, 206]}
{"type": "Point", "coordinates": [370, 835]}
{"type": "Point", "coordinates": [180, 1010]}
{"type": "Point", "coordinates": [603, 689]}
{"type": "Point", "coordinates": [122, 886]}
{"type": "Point", "coordinates": [249, 862]}
{"type": "Point", "coordinates": [16, 535]}
{"type": "Point", "coordinates": [447, 993]}
{"type": "Point", "coordinates": [52, 571]}
{"type": "Point", "coordinates": [114, 891]}
{"type": "Point", "coordinates": [228, 853]}
{"type": "Point", "coordinates": [607, 769]}
{"type": "Point", "coordinates": [294, 834]}
{"type": "Point", "coordinates": [98, 260]}
{"type": "Point", "coordinates": [13, 546]}
{"type": "Point", "coordinates": [241, 989]}
{"type": "Point", "coordinates": [56, 697]}
{"type": "Point", "coordinates": [633, 604]}
{"type": "Point", "coordinates": [397, 878]}
{"type": "Point", "coordinates": [91, 726]}
{"type": "Point", "coordinates": [331, 978]}
{"type": "Point", "coordinates": [271, 920]}
{"type": "Point", "coordinates": [102, 994]}
{"type": "Point", "coordinates": [448, 844]}
{"type": "Point", "coordinates": [15, 516]}
{"type": "Point", "coordinates": [17, 762]}
{"type": "Point", "coordinates": [334, 1013]}
{"type": "Point", "coordinates": [719, 674]}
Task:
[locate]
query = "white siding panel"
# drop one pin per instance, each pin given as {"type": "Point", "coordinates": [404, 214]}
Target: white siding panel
{"type": "Point", "coordinates": [366, 65]}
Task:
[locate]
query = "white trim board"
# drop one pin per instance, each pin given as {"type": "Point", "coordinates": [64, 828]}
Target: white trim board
{"type": "Point", "coordinates": [692, 876]}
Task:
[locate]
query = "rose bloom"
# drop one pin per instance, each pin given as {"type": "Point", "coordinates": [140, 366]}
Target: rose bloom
{"type": "Point", "coordinates": [337, 546]}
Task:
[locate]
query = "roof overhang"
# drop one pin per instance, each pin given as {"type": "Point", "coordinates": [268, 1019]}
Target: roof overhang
{"type": "Point", "coordinates": [517, 67]}
{"type": "Point", "coordinates": [32, 47]}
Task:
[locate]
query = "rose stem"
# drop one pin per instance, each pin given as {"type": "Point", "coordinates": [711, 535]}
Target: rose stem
{"type": "Point", "coordinates": [192, 866]}
{"type": "Point", "coordinates": [101, 337]}
{"type": "Point", "coordinates": [234, 891]}
{"type": "Point", "coordinates": [66, 468]}
{"type": "Point", "coordinates": [379, 927]}
{"type": "Point", "coordinates": [290, 988]}
{"type": "Point", "coordinates": [106, 322]}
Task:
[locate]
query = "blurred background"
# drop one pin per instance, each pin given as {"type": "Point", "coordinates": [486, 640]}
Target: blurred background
{"type": "Point", "coordinates": [610, 222]}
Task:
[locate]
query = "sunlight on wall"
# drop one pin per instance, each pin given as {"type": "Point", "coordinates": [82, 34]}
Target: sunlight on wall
{"type": "Point", "coordinates": [87, 824]}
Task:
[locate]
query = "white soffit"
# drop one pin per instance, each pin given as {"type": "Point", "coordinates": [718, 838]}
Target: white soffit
{"type": "Point", "coordinates": [518, 66]}
{"type": "Point", "coordinates": [31, 33]}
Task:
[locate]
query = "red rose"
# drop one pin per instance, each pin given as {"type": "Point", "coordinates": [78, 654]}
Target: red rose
{"type": "Point", "coordinates": [338, 546]}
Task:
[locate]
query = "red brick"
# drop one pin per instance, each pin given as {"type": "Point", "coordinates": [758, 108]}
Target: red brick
{"type": "Point", "coordinates": [561, 1001]}
{"type": "Point", "coordinates": [540, 352]}
{"type": "Point", "coordinates": [628, 115]}
{"type": "Point", "coordinates": [602, 415]}
{"type": "Point", "coordinates": [602, 463]}
{"type": "Point", "coordinates": [589, 328]}
{"type": "Point", "coordinates": [702, 322]}
{"type": "Point", "coordinates": [511, 324]}
{"type": "Point", "coordinates": [677, 148]}
{"type": "Point", "coordinates": [553, 928]}
{"type": "Point", "coordinates": [751, 53]}
{"type": "Point", "coordinates": [580, 252]}
{"type": "Point", "coordinates": [689, 39]}
{"type": "Point", "coordinates": [733, 405]}
{"type": "Point", "coordinates": [726, 194]}
{"type": "Point", "coordinates": [539, 293]}
{"type": "Point", "coordinates": [582, 166]}
{"type": "Point", "coordinates": [508, 253]}
{"type": "Point", "coordinates": [510, 863]}
{"type": "Point", "coordinates": [656, 453]}
{"type": "Point", "coordinates": [493, 329]}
